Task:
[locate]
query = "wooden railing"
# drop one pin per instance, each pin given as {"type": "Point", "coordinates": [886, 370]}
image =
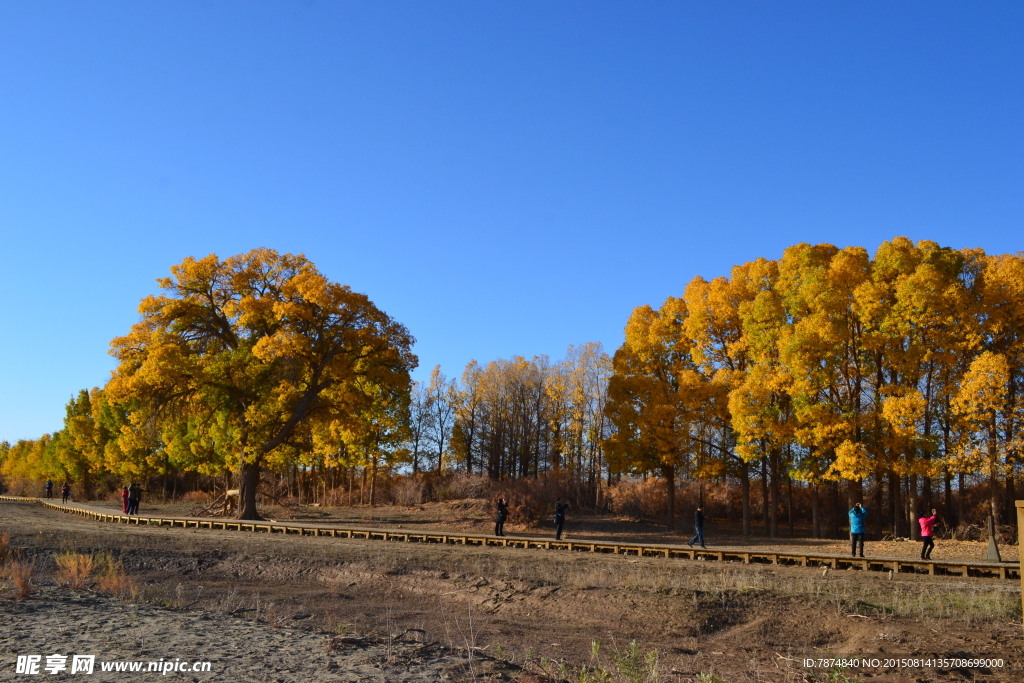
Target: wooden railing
{"type": "Point", "coordinates": [961, 568]}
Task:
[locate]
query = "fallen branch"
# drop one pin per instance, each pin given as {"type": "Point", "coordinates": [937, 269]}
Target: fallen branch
{"type": "Point", "coordinates": [412, 630]}
{"type": "Point", "coordinates": [294, 617]}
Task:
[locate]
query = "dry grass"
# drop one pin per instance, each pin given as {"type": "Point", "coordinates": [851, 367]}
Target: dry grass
{"type": "Point", "coordinates": [74, 570]}
{"type": "Point", "coordinates": [843, 592]}
{"type": "Point", "coordinates": [20, 573]}
{"type": "Point", "coordinates": [5, 548]}
{"type": "Point", "coordinates": [112, 580]}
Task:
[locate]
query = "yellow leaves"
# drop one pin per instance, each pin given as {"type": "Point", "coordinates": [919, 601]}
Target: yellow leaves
{"type": "Point", "coordinates": [991, 422]}
{"type": "Point", "coordinates": [904, 413]}
{"type": "Point", "coordinates": [852, 462]}
{"type": "Point", "coordinates": [850, 358]}
{"type": "Point", "coordinates": [653, 390]}
{"type": "Point", "coordinates": [255, 353]}
{"type": "Point", "coordinates": [760, 412]}
{"type": "Point", "coordinates": [983, 388]}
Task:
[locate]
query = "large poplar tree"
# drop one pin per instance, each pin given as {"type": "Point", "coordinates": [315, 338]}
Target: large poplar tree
{"type": "Point", "coordinates": [251, 354]}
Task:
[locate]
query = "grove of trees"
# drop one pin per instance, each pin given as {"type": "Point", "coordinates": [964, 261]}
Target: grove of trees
{"type": "Point", "coordinates": [828, 375]}
{"type": "Point", "coordinates": [902, 371]}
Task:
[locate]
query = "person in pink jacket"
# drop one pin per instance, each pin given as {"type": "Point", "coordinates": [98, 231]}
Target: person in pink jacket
{"type": "Point", "coordinates": [926, 535]}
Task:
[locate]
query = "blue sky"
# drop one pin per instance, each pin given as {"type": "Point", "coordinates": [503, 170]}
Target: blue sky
{"type": "Point", "coordinates": [503, 178]}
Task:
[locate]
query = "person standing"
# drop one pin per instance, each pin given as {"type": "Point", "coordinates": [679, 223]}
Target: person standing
{"type": "Point", "coordinates": [698, 527]}
{"type": "Point", "coordinates": [560, 508]}
{"type": "Point", "coordinates": [927, 544]}
{"type": "Point", "coordinates": [499, 520]}
{"type": "Point", "coordinates": [133, 498]}
{"type": "Point", "coordinates": [857, 515]}
{"type": "Point", "coordinates": [124, 500]}
{"type": "Point", "coordinates": [49, 488]}
{"type": "Point", "coordinates": [65, 492]}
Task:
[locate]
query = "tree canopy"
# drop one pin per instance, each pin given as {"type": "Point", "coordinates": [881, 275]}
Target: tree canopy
{"type": "Point", "coordinates": [253, 356]}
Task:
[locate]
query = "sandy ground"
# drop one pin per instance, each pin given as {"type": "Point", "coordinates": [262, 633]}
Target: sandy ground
{"type": "Point", "coordinates": [69, 622]}
{"type": "Point", "coordinates": [522, 609]}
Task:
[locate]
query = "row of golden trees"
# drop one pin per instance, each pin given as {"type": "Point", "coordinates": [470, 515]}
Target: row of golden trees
{"type": "Point", "coordinates": [827, 365]}
{"type": "Point", "coordinates": [523, 418]}
{"type": "Point", "coordinates": [257, 363]}
{"type": "Point", "coordinates": [904, 369]}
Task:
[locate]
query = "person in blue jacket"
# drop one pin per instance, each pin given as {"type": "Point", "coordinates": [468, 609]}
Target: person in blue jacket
{"type": "Point", "coordinates": [857, 515]}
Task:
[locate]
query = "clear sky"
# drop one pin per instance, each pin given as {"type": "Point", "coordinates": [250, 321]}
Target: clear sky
{"type": "Point", "coordinates": [502, 177]}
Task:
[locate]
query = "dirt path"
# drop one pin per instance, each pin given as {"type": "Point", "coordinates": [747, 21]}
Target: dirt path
{"type": "Point", "coordinates": [746, 623]}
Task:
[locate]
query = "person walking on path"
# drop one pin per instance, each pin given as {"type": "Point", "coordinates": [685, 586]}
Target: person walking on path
{"type": "Point", "coordinates": [65, 492]}
{"type": "Point", "coordinates": [698, 527]}
{"type": "Point", "coordinates": [134, 493]}
{"type": "Point", "coordinates": [124, 500]}
{"type": "Point", "coordinates": [927, 544]}
{"type": "Point", "coordinates": [560, 508]}
{"type": "Point", "coordinates": [857, 515]}
{"type": "Point", "coordinates": [499, 520]}
{"type": "Point", "coordinates": [49, 488]}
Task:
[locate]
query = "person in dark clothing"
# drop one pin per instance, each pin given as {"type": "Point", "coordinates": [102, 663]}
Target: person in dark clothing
{"type": "Point", "coordinates": [499, 520]}
{"type": "Point", "coordinates": [857, 515]}
{"type": "Point", "coordinates": [698, 527]}
{"type": "Point", "coordinates": [65, 492]}
{"type": "Point", "coordinates": [134, 493]}
{"type": "Point", "coordinates": [49, 488]}
{"type": "Point", "coordinates": [560, 508]}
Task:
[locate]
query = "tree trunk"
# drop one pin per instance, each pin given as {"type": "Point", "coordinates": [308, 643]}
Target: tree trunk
{"type": "Point", "coordinates": [249, 481]}
{"type": "Point", "coordinates": [960, 516]}
{"type": "Point", "coordinates": [993, 477]}
{"type": "Point", "coordinates": [926, 493]}
{"type": "Point", "coordinates": [947, 480]}
{"type": "Point", "coordinates": [373, 482]}
{"type": "Point", "coordinates": [993, 492]}
{"type": "Point", "coordinates": [1010, 496]}
{"type": "Point", "coordinates": [669, 473]}
{"type": "Point", "coordinates": [895, 506]}
{"type": "Point", "coordinates": [876, 521]}
{"type": "Point", "coordinates": [745, 494]}
{"type": "Point", "coordinates": [789, 504]}
{"type": "Point", "coordinates": [774, 513]}
{"type": "Point", "coordinates": [912, 505]}
{"type": "Point", "coordinates": [815, 512]}
{"type": "Point", "coordinates": [764, 497]}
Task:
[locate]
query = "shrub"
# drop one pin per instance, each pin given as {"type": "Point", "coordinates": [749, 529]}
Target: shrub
{"type": "Point", "coordinates": [197, 497]}
{"type": "Point", "coordinates": [21, 576]}
{"type": "Point", "coordinates": [641, 498]}
{"type": "Point", "coordinates": [74, 570]}
{"type": "Point", "coordinates": [407, 491]}
{"type": "Point", "coordinates": [460, 487]}
{"type": "Point", "coordinates": [112, 579]}
{"type": "Point", "coordinates": [532, 501]}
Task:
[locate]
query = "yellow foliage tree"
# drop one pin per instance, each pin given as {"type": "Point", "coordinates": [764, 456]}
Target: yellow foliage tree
{"type": "Point", "coordinates": [650, 398]}
{"type": "Point", "coordinates": [239, 356]}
